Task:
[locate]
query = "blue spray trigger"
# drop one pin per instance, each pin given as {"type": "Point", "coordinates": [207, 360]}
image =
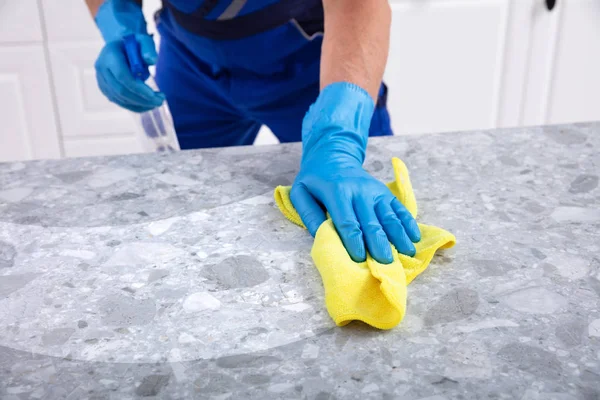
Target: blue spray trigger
{"type": "Point", "coordinates": [137, 66]}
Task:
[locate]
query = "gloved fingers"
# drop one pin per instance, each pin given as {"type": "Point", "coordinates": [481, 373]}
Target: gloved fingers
{"type": "Point", "coordinates": [133, 89]}
{"type": "Point", "coordinates": [114, 97]}
{"type": "Point", "coordinates": [147, 48]}
{"type": "Point", "coordinates": [119, 94]}
{"type": "Point", "coordinates": [310, 211]}
{"type": "Point", "coordinates": [375, 237]}
{"type": "Point", "coordinates": [136, 87]}
{"type": "Point", "coordinates": [394, 228]}
{"type": "Point", "coordinates": [347, 225]}
{"type": "Point", "coordinates": [408, 221]}
{"type": "Point", "coordinates": [119, 100]}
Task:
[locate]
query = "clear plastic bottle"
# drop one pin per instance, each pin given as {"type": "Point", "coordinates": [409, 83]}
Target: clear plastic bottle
{"type": "Point", "coordinates": [157, 129]}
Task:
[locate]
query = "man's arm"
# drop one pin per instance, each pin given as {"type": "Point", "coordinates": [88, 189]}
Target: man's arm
{"type": "Point", "coordinates": [93, 6]}
{"type": "Point", "coordinates": [335, 130]}
{"type": "Point", "coordinates": [356, 43]}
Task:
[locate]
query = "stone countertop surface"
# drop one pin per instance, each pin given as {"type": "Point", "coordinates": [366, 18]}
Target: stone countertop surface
{"type": "Point", "coordinates": [175, 276]}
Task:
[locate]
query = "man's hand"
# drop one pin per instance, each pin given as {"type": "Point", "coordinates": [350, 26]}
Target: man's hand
{"type": "Point", "coordinates": [117, 19]}
{"type": "Point", "coordinates": [334, 137]}
{"type": "Point", "coordinates": [335, 132]}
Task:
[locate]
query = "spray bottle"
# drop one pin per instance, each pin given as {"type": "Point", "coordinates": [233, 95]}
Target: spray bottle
{"type": "Point", "coordinates": [157, 131]}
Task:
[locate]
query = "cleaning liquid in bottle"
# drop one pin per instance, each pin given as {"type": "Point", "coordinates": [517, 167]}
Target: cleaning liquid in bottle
{"type": "Point", "coordinates": [157, 133]}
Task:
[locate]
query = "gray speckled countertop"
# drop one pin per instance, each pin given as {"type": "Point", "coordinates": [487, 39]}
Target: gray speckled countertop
{"type": "Point", "coordinates": [176, 277]}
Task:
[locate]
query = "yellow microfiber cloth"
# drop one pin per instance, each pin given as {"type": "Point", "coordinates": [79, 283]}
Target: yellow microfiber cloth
{"type": "Point", "coordinates": [369, 291]}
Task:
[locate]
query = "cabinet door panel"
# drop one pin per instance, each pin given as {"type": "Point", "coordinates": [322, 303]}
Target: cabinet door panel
{"type": "Point", "coordinates": [83, 109]}
{"type": "Point", "coordinates": [20, 21]}
{"type": "Point", "coordinates": [28, 128]}
{"type": "Point", "coordinates": [445, 64]}
{"type": "Point", "coordinates": [575, 83]}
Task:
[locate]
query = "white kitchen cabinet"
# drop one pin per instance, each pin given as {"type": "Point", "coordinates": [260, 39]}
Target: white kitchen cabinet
{"type": "Point", "coordinates": [445, 65]}
{"type": "Point", "coordinates": [460, 64]}
{"type": "Point", "coordinates": [28, 128]}
{"type": "Point", "coordinates": [26, 110]}
{"type": "Point", "coordinates": [564, 73]}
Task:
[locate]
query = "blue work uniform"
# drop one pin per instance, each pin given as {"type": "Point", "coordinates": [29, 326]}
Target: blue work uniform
{"type": "Point", "coordinates": [229, 66]}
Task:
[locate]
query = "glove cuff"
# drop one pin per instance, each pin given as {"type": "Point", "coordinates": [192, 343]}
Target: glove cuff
{"type": "Point", "coordinates": [118, 18]}
{"type": "Point", "coordinates": [341, 116]}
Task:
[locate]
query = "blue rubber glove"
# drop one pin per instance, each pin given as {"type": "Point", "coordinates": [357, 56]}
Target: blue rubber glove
{"type": "Point", "coordinates": [117, 19]}
{"type": "Point", "coordinates": [363, 210]}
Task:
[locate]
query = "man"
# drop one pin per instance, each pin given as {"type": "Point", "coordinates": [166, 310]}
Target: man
{"type": "Point", "coordinates": [228, 66]}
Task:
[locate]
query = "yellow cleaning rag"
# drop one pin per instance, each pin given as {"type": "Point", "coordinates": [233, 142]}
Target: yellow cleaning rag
{"type": "Point", "coordinates": [369, 291]}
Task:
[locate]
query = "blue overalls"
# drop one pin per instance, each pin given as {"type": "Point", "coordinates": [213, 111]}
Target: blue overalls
{"type": "Point", "coordinates": [229, 66]}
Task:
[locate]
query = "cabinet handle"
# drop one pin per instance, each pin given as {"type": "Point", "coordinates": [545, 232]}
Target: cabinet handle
{"type": "Point", "coordinates": [550, 4]}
